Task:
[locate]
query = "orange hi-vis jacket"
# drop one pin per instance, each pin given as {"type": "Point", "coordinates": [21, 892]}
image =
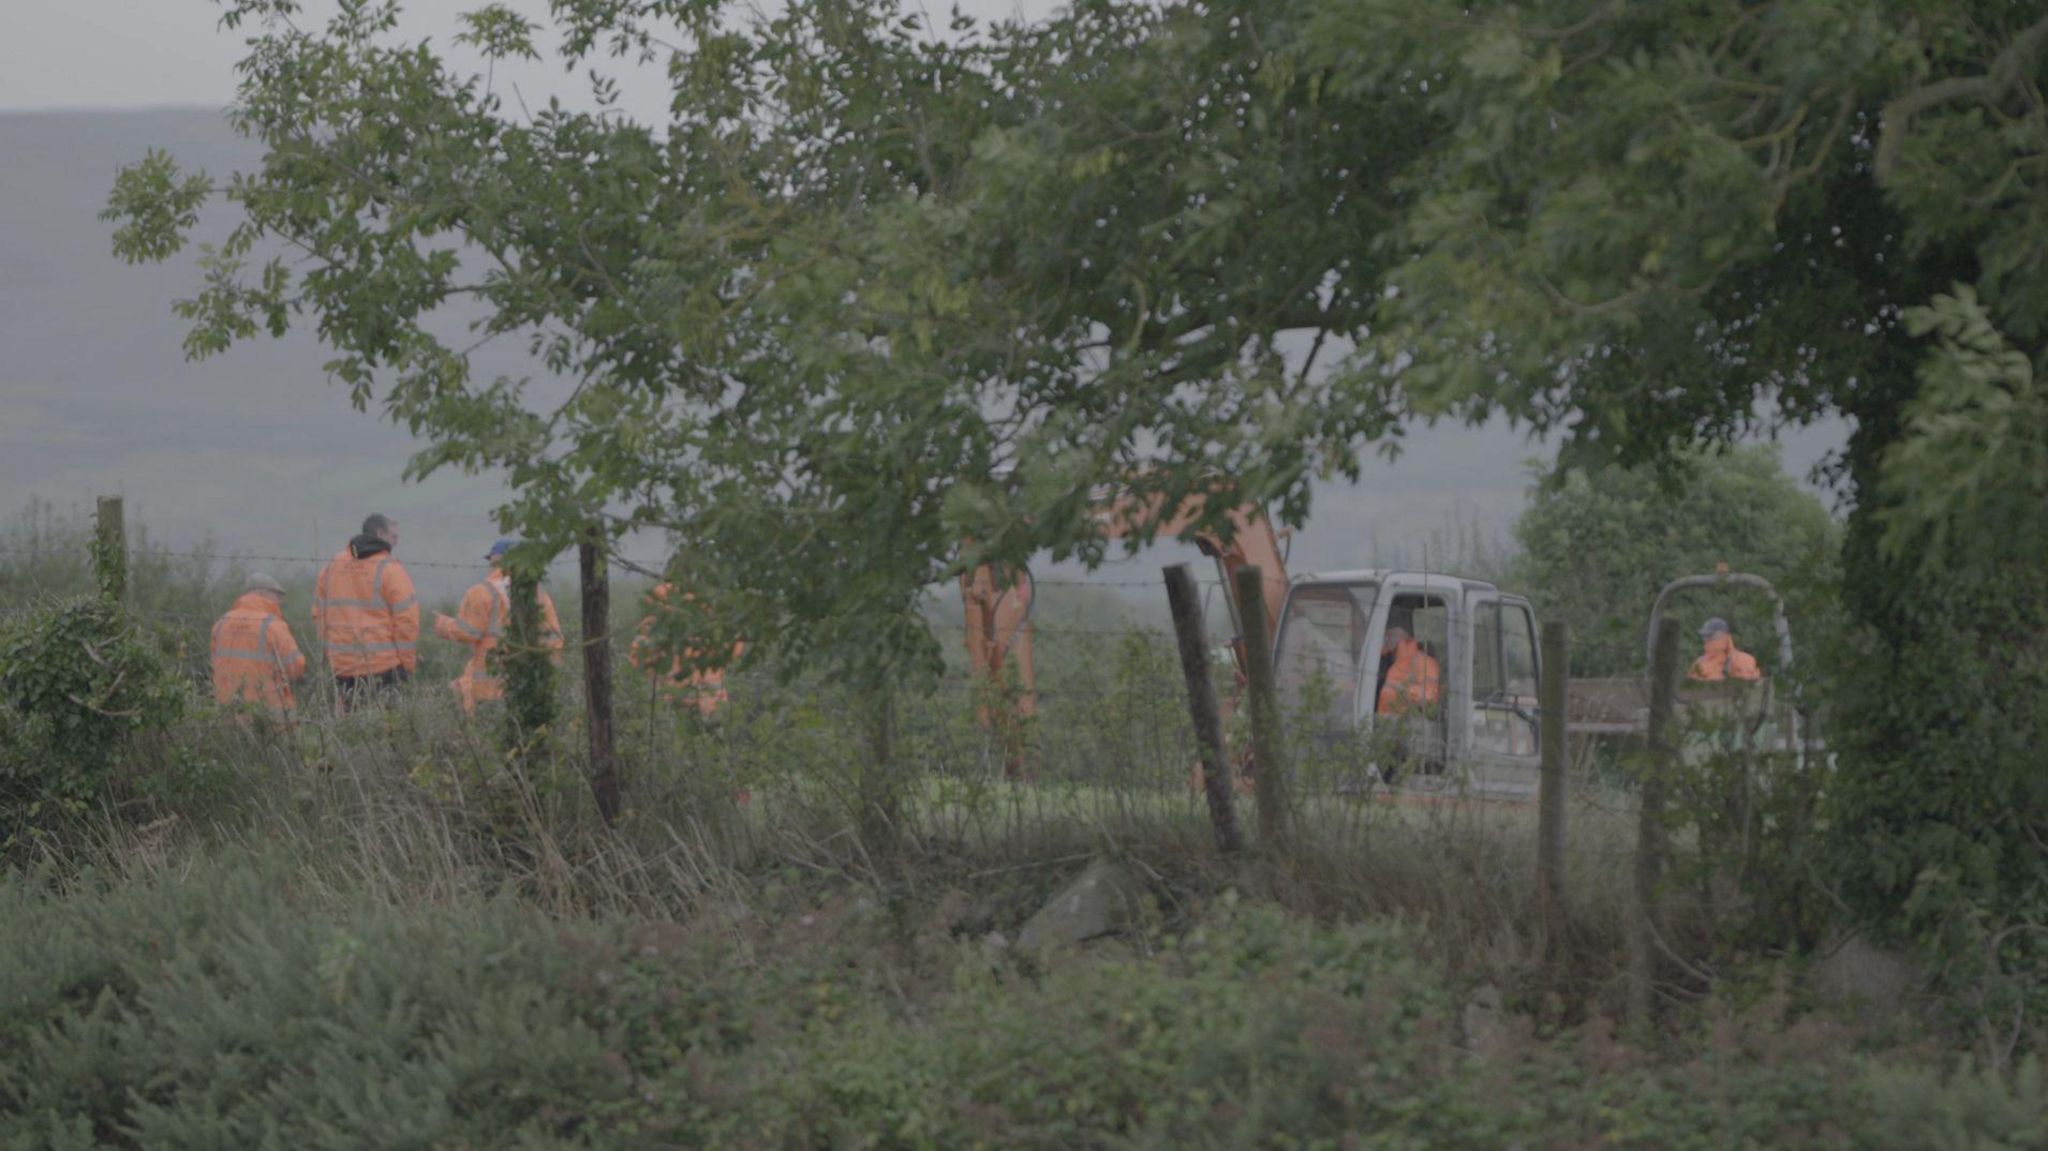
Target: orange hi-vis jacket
{"type": "Point", "coordinates": [365, 611]}
{"type": "Point", "coordinates": [1414, 682]}
{"type": "Point", "coordinates": [254, 656]}
{"type": "Point", "coordinates": [704, 688]}
{"type": "Point", "coordinates": [483, 619]}
{"type": "Point", "coordinates": [1722, 660]}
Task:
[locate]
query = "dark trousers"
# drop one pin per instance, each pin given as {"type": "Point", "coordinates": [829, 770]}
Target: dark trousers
{"type": "Point", "coordinates": [355, 690]}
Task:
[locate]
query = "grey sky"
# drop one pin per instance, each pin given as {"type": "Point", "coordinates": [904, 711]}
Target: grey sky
{"type": "Point", "coordinates": [260, 452]}
{"type": "Point", "coordinates": [156, 53]}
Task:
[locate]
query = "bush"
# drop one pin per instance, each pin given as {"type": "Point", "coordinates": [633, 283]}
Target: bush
{"type": "Point", "coordinates": [76, 681]}
{"type": "Point", "coordinates": [217, 1014]}
{"type": "Point", "coordinates": [223, 1009]}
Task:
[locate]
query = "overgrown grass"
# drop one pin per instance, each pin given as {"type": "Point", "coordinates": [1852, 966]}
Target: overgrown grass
{"type": "Point", "coordinates": [231, 1001]}
{"type": "Point", "coordinates": [380, 930]}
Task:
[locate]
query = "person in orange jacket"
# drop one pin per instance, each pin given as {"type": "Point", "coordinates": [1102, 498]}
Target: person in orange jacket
{"type": "Point", "coordinates": [1721, 660]}
{"type": "Point", "coordinates": [483, 619]}
{"type": "Point", "coordinates": [1411, 680]}
{"type": "Point", "coordinates": [704, 688]}
{"type": "Point", "coordinates": [367, 615]}
{"type": "Point", "coordinates": [255, 658]}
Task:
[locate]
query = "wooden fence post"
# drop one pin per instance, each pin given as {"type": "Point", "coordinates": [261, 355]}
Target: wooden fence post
{"type": "Point", "coordinates": [110, 559]}
{"type": "Point", "coordinates": [1185, 600]}
{"type": "Point", "coordinates": [1269, 747]}
{"type": "Point", "coordinates": [1552, 704]}
{"type": "Point", "coordinates": [597, 673]}
{"type": "Point", "coordinates": [1650, 838]}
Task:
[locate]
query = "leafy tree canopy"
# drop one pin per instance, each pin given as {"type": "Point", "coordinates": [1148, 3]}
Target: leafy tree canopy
{"type": "Point", "coordinates": [867, 293]}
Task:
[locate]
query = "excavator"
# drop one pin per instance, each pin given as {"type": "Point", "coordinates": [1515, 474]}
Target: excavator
{"type": "Point", "coordinates": [1327, 635]}
{"type": "Point", "coordinates": [1327, 632]}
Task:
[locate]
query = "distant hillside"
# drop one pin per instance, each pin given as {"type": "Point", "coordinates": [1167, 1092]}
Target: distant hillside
{"type": "Point", "coordinates": [257, 450]}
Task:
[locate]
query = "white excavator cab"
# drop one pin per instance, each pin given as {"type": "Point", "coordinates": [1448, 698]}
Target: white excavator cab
{"type": "Point", "coordinates": [1473, 726]}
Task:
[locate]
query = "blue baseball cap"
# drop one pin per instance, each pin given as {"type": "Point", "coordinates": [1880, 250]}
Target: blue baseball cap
{"type": "Point", "coordinates": [501, 547]}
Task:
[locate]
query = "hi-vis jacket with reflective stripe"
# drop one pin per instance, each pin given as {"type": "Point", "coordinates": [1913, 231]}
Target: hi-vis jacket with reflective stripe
{"type": "Point", "coordinates": [485, 617]}
{"type": "Point", "coordinates": [254, 656]}
{"type": "Point", "coordinates": [366, 612]}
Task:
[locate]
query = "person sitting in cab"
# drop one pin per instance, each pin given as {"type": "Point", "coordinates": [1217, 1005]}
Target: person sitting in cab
{"type": "Point", "coordinates": [1721, 660]}
{"type": "Point", "coordinates": [1410, 680]}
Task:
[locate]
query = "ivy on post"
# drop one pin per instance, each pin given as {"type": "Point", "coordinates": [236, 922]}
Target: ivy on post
{"type": "Point", "coordinates": [529, 669]}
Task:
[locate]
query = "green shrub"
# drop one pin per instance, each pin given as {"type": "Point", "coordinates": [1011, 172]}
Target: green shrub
{"type": "Point", "coordinates": [223, 1009]}
{"type": "Point", "coordinates": [76, 681]}
{"type": "Point", "coordinates": [215, 1013]}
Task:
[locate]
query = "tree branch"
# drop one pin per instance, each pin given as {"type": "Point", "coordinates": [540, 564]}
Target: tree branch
{"type": "Point", "coordinates": [2007, 69]}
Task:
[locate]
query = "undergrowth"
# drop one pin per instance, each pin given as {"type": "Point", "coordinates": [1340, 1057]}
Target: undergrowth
{"type": "Point", "coordinates": [230, 1006]}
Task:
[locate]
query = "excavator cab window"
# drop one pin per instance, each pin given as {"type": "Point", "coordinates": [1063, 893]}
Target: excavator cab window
{"type": "Point", "coordinates": [1321, 658]}
{"type": "Point", "coordinates": [1415, 732]}
{"type": "Point", "coordinates": [1430, 624]}
{"type": "Point", "coordinates": [1503, 680]}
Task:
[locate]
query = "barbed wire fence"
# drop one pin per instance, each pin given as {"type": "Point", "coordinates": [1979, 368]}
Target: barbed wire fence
{"type": "Point", "coordinates": [1110, 726]}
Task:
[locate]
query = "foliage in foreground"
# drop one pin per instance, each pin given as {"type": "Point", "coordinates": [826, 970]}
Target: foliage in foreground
{"type": "Point", "coordinates": [223, 1009]}
{"type": "Point", "coordinates": [77, 681]}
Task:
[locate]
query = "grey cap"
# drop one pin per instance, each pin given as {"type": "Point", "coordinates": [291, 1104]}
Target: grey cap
{"type": "Point", "coordinates": [262, 581]}
{"type": "Point", "coordinates": [1713, 627]}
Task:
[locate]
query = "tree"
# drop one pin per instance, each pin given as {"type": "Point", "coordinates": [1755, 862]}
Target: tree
{"type": "Point", "coordinates": [834, 317]}
{"type": "Point", "coordinates": [871, 292]}
{"type": "Point", "coordinates": [1647, 225]}
{"type": "Point", "coordinates": [683, 281]}
{"type": "Point", "coordinates": [1596, 545]}
{"type": "Point", "coordinates": [1645, 228]}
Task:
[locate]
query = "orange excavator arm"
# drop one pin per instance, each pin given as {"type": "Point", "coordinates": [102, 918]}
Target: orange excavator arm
{"type": "Point", "coordinates": [998, 603]}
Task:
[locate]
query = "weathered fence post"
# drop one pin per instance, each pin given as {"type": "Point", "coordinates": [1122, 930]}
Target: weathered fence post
{"type": "Point", "coordinates": [1650, 838]}
{"type": "Point", "coordinates": [1269, 748]}
{"type": "Point", "coordinates": [597, 673]}
{"type": "Point", "coordinates": [1552, 787]}
{"type": "Point", "coordinates": [1185, 600]}
{"type": "Point", "coordinates": [110, 558]}
{"type": "Point", "coordinates": [880, 818]}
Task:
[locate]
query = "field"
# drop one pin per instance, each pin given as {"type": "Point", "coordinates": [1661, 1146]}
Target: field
{"type": "Point", "coordinates": [337, 947]}
{"type": "Point", "coordinates": [380, 930]}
